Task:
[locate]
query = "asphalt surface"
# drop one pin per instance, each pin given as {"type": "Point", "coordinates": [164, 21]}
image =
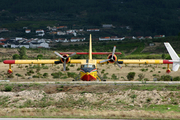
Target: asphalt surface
{"type": "Point", "coordinates": [56, 119]}
{"type": "Point", "coordinates": [104, 82]}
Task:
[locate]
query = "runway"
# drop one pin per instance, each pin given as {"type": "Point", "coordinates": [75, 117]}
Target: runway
{"type": "Point", "coordinates": [56, 119]}
{"type": "Point", "coordinates": [101, 82]}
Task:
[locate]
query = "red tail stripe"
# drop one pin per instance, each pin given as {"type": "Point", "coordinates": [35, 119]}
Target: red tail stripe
{"type": "Point", "coordinates": [167, 62]}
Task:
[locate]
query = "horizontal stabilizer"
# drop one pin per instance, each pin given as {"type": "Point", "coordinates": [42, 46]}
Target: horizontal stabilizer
{"type": "Point", "coordinates": [175, 66]}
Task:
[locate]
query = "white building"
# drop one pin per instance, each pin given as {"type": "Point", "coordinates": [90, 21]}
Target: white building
{"type": "Point", "coordinates": [77, 39]}
{"type": "Point", "coordinates": [93, 30]}
{"type": "Point", "coordinates": [40, 32]}
{"type": "Point", "coordinates": [62, 40]}
{"type": "Point", "coordinates": [110, 38]}
{"type": "Point", "coordinates": [27, 31]}
{"type": "Point", "coordinates": [116, 38]}
{"type": "Point", "coordinates": [26, 45]}
{"type": "Point", "coordinates": [140, 37]}
{"type": "Point", "coordinates": [19, 38]}
{"type": "Point", "coordinates": [38, 45]}
{"type": "Point", "coordinates": [61, 33]}
{"type": "Point", "coordinates": [71, 32]}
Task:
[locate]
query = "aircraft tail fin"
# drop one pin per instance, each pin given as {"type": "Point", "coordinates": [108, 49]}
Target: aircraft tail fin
{"type": "Point", "coordinates": [171, 51]}
{"type": "Point", "coordinates": [174, 56]}
{"type": "Point", "coordinates": [90, 47]}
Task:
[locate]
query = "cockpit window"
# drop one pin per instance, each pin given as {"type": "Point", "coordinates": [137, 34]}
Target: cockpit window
{"type": "Point", "coordinates": [88, 66]}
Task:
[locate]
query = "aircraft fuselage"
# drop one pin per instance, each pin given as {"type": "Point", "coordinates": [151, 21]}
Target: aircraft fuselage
{"type": "Point", "coordinates": [88, 72]}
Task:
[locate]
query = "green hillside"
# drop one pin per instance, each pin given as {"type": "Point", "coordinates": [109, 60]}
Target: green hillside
{"type": "Point", "coordinates": [145, 17]}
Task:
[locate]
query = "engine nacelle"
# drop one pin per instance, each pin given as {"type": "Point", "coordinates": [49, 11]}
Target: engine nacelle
{"type": "Point", "coordinates": [65, 56]}
{"type": "Point", "coordinates": [168, 71]}
{"type": "Point", "coordinates": [10, 71]}
{"type": "Point", "coordinates": [114, 58]}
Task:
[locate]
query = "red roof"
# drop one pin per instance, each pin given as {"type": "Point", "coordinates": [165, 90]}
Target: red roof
{"type": "Point", "coordinates": [159, 36]}
{"type": "Point", "coordinates": [3, 39]}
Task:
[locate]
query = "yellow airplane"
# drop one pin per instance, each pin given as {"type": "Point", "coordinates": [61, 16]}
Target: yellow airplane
{"type": "Point", "coordinates": [88, 70]}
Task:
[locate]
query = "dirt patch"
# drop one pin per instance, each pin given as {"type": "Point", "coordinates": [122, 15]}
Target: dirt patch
{"type": "Point", "coordinates": [79, 100]}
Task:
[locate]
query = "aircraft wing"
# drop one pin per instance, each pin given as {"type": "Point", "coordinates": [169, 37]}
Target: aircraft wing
{"type": "Point", "coordinates": [73, 61]}
{"type": "Point", "coordinates": [139, 61]}
{"type": "Point", "coordinates": [29, 61]}
{"type": "Point", "coordinates": [143, 61]}
{"type": "Point", "coordinates": [93, 53]}
{"type": "Point", "coordinates": [81, 61]}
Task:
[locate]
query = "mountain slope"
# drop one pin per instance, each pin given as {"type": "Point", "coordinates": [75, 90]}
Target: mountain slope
{"type": "Point", "coordinates": [145, 17]}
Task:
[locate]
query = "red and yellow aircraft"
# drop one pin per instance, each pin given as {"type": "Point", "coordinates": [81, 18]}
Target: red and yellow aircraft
{"type": "Point", "coordinates": [88, 71]}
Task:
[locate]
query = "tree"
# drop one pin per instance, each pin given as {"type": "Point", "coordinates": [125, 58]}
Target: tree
{"type": "Point", "coordinates": [131, 75]}
{"type": "Point", "coordinates": [141, 76]}
{"type": "Point", "coordinates": [168, 57]}
{"type": "Point", "coordinates": [22, 53]}
{"type": "Point", "coordinates": [15, 56]}
{"type": "Point", "coordinates": [163, 56]}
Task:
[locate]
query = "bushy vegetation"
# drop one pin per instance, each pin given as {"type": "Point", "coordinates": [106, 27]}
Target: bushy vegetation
{"type": "Point", "coordinates": [59, 75]}
{"type": "Point", "coordinates": [114, 77]}
{"type": "Point", "coordinates": [103, 70]}
{"type": "Point", "coordinates": [144, 69]}
{"type": "Point", "coordinates": [72, 74]}
{"type": "Point", "coordinates": [105, 76]}
{"type": "Point", "coordinates": [8, 88]}
{"type": "Point", "coordinates": [176, 78]}
{"type": "Point", "coordinates": [38, 75]}
{"type": "Point", "coordinates": [141, 76]}
{"type": "Point", "coordinates": [166, 78]}
{"type": "Point", "coordinates": [29, 72]}
{"type": "Point", "coordinates": [40, 56]}
{"type": "Point", "coordinates": [10, 75]}
{"type": "Point", "coordinates": [45, 75]}
{"type": "Point", "coordinates": [71, 65]}
{"type": "Point", "coordinates": [19, 75]}
{"type": "Point", "coordinates": [131, 75]}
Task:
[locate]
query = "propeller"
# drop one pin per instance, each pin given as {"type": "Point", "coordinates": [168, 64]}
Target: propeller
{"type": "Point", "coordinates": [112, 59]}
{"type": "Point", "coordinates": [64, 59]}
